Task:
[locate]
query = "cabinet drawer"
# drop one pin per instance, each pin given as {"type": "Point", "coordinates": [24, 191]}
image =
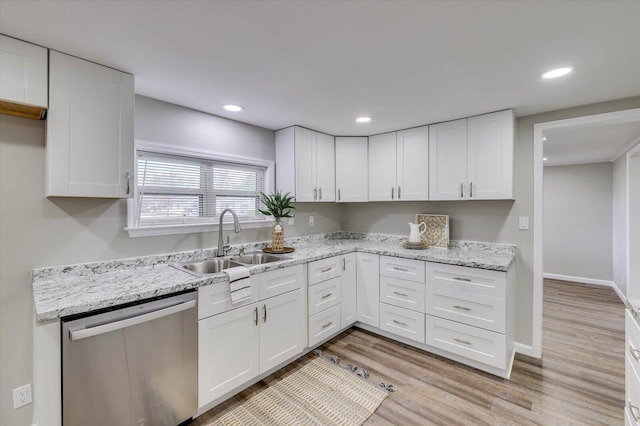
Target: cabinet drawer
{"type": "Point", "coordinates": [324, 295]}
{"type": "Point", "coordinates": [632, 335]}
{"type": "Point", "coordinates": [470, 280]}
{"type": "Point", "coordinates": [216, 298]}
{"type": "Point", "coordinates": [471, 342]}
{"type": "Point", "coordinates": [322, 270]}
{"type": "Point", "coordinates": [402, 322]}
{"type": "Point", "coordinates": [280, 281]}
{"type": "Point", "coordinates": [406, 269]}
{"type": "Point", "coordinates": [402, 293]}
{"type": "Point", "coordinates": [472, 309]}
{"type": "Point", "coordinates": [632, 389]}
{"type": "Point", "coordinates": [324, 324]}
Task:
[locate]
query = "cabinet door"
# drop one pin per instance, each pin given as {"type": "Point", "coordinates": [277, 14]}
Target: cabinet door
{"type": "Point", "coordinates": [382, 167]}
{"type": "Point", "coordinates": [222, 365]}
{"type": "Point", "coordinates": [23, 72]}
{"type": "Point", "coordinates": [305, 148]}
{"type": "Point", "coordinates": [89, 130]}
{"type": "Point", "coordinates": [491, 156]}
{"type": "Point", "coordinates": [368, 288]}
{"type": "Point", "coordinates": [325, 167]}
{"type": "Point", "coordinates": [352, 169]}
{"type": "Point", "coordinates": [348, 298]}
{"type": "Point", "coordinates": [413, 164]}
{"type": "Point", "coordinates": [283, 329]}
{"type": "Point", "coordinates": [448, 160]}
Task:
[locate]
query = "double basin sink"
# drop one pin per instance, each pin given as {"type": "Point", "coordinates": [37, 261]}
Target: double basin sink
{"type": "Point", "coordinates": [218, 264]}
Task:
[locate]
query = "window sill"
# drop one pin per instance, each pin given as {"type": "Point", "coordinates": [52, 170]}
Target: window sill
{"type": "Point", "coordinates": [192, 228]}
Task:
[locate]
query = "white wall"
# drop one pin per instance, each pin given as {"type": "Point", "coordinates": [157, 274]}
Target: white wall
{"type": "Point", "coordinates": [578, 221]}
{"type": "Point", "coordinates": [619, 247]}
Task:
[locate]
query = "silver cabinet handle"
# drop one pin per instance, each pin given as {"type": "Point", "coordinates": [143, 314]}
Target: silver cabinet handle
{"type": "Point", "coordinates": [327, 324]}
{"type": "Point", "coordinates": [392, 189]}
{"type": "Point", "coordinates": [462, 190]}
{"type": "Point", "coordinates": [327, 295]}
{"type": "Point", "coordinates": [315, 193]}
{"type": "Point", "coordinates": [256, 311]}
{"type": "Point", "coordinates": [471, 190]}
{"type": "Point", "coordinates": [400, 269]}
{"type": "Point", "coordinates": [399, 197]}
{"type": "Point", "coordinates": [338, 194]}
{"type": "Point", "coordinates": [462, 308]}
{"type": "Point", "coordinates": [400, 323]}
{"type": "Point", "coordinates": [319, 193]}
{"type": "Point", "coordinates": [467, 280]}
{"type": "Point", "coordinates": [128, 183]}
{"type": "Point", "coordinates": [633, 414]}
{"type": "Point", "coordinates": [344, 264]}
{"type": "Point", "coordinates": [466, 342]}
{"type": "Point", "coordinates": [264, 309]}
{"type": "Point", "coordinates": [634, 352]}
{"type": "Point", "coordinates": [119, 325]}
{"type": "Point", "coordinates": [400, 294]}
{"type": "Point", "coordinates": [326, 270]}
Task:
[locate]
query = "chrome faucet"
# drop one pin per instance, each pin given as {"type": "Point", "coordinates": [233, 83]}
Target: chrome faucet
{"type": "Point", "coordinates": [222, 247]}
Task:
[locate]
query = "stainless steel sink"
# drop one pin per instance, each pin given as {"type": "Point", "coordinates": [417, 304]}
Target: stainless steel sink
{"type": "Point", "coordinates": [205, 267]}
{"type": "Point", "coordinates": [257, 258]}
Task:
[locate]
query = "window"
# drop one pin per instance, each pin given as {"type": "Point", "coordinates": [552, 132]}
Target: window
{"type": "Point", "coordinates": [175, 189]}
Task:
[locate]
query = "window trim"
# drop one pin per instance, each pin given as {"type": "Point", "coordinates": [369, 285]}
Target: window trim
{"type": "Point", "coordinates": [189, 228]}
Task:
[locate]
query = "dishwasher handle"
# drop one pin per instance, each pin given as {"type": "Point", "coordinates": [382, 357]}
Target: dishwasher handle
{"type": "Point", "coordinates": [117, 325]}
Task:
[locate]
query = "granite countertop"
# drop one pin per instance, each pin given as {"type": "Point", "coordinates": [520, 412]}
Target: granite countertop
{"type": "Point", "coordinates": [74, 289]}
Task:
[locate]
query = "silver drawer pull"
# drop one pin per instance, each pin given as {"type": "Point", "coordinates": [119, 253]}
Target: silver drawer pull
{"type": "Point", "coordinates": [327, 324]}
{"type": "Point", "coordinates": [327, 295]}
{"type": "Point", "coordinates": [400, 323]}
{"type": "Point", "coordinates": [466, 342]}
{"type": "Point", "coordinates": [463, 308]}
{"type": "Point", "coordinates": [467, 280]}
{"type": "Point", "coordinates": [400, 294]}
{"type": "Point", "coordinates": [633, 414]}
{"type": "Point", "coordinates": [634, 352]}
{"type": "Point", "coordinates": [400, 269]}
{"type": "Point", "coordinates": [326, 270]}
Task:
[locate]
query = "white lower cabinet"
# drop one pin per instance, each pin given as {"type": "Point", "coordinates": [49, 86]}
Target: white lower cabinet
{"type": "Point", "coordinates": [403, 322]}
{"type": "Point", "coordinates": [348, 291]}
{"type": "Point", "coordinates": [236, 346]}
{"type": "Point", "coordinates": [324, 324]}
{"type": "Point", "coordinates": [632, 367]}
{"type": "Point", "coordinates": [368, 288]}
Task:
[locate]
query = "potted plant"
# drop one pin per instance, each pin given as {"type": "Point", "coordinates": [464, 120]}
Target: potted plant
{"type": "Point", "coordinates": [277, 205]}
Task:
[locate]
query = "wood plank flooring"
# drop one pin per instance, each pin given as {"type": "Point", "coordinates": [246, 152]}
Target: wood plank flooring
{"type": "Point", "coordinates": [579, 380]}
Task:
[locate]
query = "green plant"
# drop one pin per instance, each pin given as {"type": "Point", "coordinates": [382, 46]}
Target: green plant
{"type": "Point", "coordinates": [277, 204]}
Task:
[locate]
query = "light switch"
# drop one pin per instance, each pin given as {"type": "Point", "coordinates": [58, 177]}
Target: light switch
{"type": "Point", "coordinates": [311, 220]}
{"type": "Point", "coordinates": [292, 221]}
{"type": "Point", "coordinates": [523, 223]}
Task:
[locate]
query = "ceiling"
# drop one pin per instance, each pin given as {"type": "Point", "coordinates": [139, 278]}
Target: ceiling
{"type": "Point", "coordinates": [320, 64]}
{"type": "Point", "coordinates": [589, 143]}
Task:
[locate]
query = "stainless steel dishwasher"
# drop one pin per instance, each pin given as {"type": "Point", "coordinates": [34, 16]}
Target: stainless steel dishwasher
{"type": "Point", "coordinates": [132, 366]}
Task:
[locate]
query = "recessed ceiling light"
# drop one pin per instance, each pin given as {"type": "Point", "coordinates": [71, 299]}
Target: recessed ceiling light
{"type": "Point", "coordinates": [558, 72]}
{"type": "Point", "coordinates": [544, 138]}
{"type": "Point", "coordinates": [545, 159]}
{"type": "Point", "coordinates": [363, 119]}
{"type": "Point", "coordinates": [232, 107]}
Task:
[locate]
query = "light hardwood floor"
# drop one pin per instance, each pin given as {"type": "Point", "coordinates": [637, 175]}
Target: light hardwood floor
{"type": "Point", "coordinates": [579, 380]}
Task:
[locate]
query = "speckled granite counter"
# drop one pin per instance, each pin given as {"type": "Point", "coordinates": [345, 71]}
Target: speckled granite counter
{"type": "Point", "coordinates": [73, 289]}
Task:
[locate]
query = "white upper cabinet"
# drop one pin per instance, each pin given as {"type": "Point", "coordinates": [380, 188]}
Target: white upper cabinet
{"type": "Point", "coordinates": [89, 130]}
{"type": "Point", "coordinates": [23, 78]}
{"type": "Point", "coordinates": [399, 165]}
{"type": "Point", "coordinates": [305, 164]}
{"type": "Point", "coordinates": [472, 159]}
{"type": "Point", "coordinates": [491, 156]}
{"type": "Point", "coordinates": [352, 169]}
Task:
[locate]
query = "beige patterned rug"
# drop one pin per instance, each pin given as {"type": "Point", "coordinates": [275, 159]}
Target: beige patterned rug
{"type": "Point", "coordinates": [318, 393]}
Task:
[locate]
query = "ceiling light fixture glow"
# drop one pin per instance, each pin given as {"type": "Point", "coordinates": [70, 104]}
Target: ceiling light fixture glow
{"type": "Point", "coordinates": [544, 138]}
{"type": "Point", "coordinates": [363, 119]}
{"type": "Point", "coordinates": [558, 72]}
{"type": "Point", "coordinates": [232, 107]}
{"type": "Point", "coordinates": [545, 159]}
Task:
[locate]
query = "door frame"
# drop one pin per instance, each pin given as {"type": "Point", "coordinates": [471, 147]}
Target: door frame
{"type": "Point", "coordinates": [616, 117]}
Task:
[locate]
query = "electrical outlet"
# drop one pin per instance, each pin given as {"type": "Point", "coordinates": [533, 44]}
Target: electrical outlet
{"type": "Point", "coordinates": [523, 223]}
{"type": "Point", "coordinates": [312, 220]}
{"type": "Point", "coordinates": [22, 396]}
{"type": "Point", "coordinates": [292, 221]}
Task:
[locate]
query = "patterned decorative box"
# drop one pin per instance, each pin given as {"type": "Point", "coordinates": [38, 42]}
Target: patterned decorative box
{"type": "Point", "coordinates": [437, 231]}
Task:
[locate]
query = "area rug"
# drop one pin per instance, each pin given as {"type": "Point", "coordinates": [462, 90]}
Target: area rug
{"type": "Point", "coordinates": [318, 393]}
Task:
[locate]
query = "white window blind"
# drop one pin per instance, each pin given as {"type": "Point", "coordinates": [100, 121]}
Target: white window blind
{"type": "Point", "coordinates": [174, 189]}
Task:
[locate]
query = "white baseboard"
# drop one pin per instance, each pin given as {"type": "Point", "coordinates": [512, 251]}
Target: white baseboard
{"type": "Point", "coordinates": [583, 280]}
{"type": "Point", "coordinates": [523, 349]}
